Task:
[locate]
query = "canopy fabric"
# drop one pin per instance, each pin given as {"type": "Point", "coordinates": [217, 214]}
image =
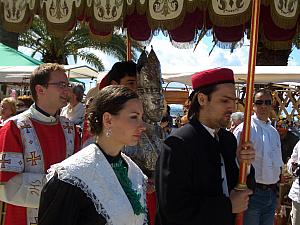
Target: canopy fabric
{"type": "Point", "coordinates": [12, 57]}
{"type": "Point", "coordinates": [184, 20]}
{"type": "Point", "coordinates": [21, 74]}
{"type": "Point", "coordinates": [84, 71]}
{"type": "Point", "coordinates": [74, 80]}
{"type": "Point", "coordinates": [263, 75]}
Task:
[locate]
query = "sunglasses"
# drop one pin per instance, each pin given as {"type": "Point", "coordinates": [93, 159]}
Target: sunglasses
{"type": "Point", "coordinates": [260, 102]}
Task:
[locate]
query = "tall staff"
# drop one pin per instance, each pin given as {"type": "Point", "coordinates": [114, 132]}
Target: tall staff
{"type": "Point", "coordinates": [128, 47]}
{"type": "Point", "coordinates": [249, 93]}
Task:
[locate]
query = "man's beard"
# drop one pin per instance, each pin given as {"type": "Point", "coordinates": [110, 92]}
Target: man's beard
{"type": "Point", "coordinates": [224, 123]}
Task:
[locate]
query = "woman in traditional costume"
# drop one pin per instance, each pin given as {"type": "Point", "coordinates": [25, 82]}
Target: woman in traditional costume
{"type": "Point", "coordinates": [99, 184]}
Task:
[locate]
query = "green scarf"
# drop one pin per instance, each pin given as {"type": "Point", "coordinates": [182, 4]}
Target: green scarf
{"type": "Point", "coordinates": [121, 171]}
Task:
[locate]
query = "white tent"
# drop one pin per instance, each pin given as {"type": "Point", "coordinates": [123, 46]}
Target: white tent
{"type": "Point", "coordinates": [21, 74]}
{"type": "Point", "coordinates": [263, 75]}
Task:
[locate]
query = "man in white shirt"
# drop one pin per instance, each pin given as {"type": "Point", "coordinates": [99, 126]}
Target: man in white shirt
{"type": "Point", "coordinates": [267, 161]}
{"type": "Point", "coordinates": [75, 109]}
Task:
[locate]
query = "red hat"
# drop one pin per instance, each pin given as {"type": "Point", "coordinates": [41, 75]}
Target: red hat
{"type": "Point", "coordinates": [104, 82]}
{"type": "Point", "coordinates": [211, 77]}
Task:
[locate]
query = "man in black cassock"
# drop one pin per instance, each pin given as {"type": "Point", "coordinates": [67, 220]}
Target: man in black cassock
{"type": "Point", "coordinates": [197, 169]}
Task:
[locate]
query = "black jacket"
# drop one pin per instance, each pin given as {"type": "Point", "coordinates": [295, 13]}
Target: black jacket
{"type": "Point", "coordinates": [188, 177]}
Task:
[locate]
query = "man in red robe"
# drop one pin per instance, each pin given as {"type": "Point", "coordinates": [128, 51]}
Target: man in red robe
{"type": "Point", "coordinates": [32, 141]}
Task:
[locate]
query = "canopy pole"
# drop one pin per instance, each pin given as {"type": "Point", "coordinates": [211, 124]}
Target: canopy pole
{"type": "Point", "coordinates": [128, 45]}
{"type": "Point", "coordinates": [242, 184]}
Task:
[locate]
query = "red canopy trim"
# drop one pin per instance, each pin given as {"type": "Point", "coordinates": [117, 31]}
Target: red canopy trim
{"type": "Point", "coordinates": [138, 27]}
{"type": "Point", "coordinates": [273, 36]}
{"type": "Point", "coordinates": [102, 18]}
{"type": "Point", "coordinates": [285, 14]}
{"type": "Point", "coordinates": [229, 14]}
{"type": "Point", "coordinates": [17, 16]}
{"type": "Point", "coordinates": [183, 20]}
{"type": "Point", "coordinates": [61, 16]}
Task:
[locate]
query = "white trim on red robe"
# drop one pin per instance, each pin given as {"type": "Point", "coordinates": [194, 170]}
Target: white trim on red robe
{"type": "Point", "coordinates": [24, 163]}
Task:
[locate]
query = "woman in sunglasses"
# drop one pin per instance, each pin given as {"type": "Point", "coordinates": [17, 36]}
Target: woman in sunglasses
{"type": "Point", "coordinates": [100, 185]}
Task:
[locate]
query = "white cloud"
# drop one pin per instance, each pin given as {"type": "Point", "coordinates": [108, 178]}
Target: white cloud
{"type": "Point", "coordinates": [173, 59]}
{"type": "Point", "coordinates": [185, 60]}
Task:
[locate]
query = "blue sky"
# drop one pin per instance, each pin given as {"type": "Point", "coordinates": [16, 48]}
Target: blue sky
{"type": "Point", "coordinates": [186, 60]}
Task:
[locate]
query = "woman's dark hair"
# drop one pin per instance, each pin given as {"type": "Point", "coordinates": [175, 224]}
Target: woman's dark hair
{"type": "Point", "coordinates": [110, 99]}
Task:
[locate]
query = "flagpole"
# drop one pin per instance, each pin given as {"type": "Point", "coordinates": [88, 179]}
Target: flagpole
{"type": "Point", "coordinates": [242, 184]}
{"type": "Point", "coordinates": [128, 46]}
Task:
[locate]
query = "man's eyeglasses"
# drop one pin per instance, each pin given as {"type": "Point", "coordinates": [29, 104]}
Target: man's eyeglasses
{"type": "Point", "coordinates": [260, 102]}
{"type": "Point", "coordinates": [61, 84]}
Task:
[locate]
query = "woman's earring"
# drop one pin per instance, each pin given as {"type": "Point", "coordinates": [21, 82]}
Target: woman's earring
{"type": "Point", "coordinates": [108, 132]}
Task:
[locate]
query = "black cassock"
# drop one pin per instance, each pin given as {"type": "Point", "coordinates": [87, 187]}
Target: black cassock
{"type": "Point", "coordinates": [64, 204]}
{"type": "Point", "coordinates": [188, 177]}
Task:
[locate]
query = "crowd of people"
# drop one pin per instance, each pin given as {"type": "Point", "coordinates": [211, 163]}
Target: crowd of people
{"type": "Point", "coordinates": [119, 159]}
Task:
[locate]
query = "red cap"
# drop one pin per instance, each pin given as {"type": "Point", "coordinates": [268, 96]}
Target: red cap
{"type": "Point", "coordinates": [211, 77]}
{"type": "Point", "coordinates": [103, 82]}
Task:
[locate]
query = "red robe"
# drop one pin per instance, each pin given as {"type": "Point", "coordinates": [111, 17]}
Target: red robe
{"type": "Point", "coordinates": [52, 141]}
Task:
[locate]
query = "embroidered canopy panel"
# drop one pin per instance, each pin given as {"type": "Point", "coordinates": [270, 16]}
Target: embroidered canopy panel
{"type": "Point", "coordinates": [183, 20]}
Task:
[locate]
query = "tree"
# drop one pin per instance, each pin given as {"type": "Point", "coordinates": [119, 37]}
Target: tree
{"type": "Point", "coordinates": [76, 43]}
{"type": "Point", "coordinates": [9, 38]}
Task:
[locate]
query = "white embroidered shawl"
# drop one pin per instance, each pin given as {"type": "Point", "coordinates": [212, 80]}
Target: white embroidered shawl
{"type": "Point", "coordinates": [91, 172]}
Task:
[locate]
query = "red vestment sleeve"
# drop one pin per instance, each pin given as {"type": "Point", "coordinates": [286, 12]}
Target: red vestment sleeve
{"type": "Point", "coordinates": [77, 144]}
{"type": "Point", "coordinates": [10, 145]}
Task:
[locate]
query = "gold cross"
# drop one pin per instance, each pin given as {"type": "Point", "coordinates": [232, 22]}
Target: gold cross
{"type": "Point", "coordinates": [68, 126]}
{"type": "Point", "coordinates": [3, 161]}
{"type": "Point", "coordinates": [33, 158]}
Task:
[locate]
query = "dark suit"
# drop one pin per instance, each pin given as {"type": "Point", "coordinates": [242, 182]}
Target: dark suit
{"type": "Point", "coordinates": [287, 145]}
{"type": "Point", "coordinates": [188, 177]}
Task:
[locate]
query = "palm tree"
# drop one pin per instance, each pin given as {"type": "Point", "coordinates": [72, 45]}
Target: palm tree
{"type": "Point", "coordinates": [9, 38]}
{"type": "Point", "coordinates": [76, 43]}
